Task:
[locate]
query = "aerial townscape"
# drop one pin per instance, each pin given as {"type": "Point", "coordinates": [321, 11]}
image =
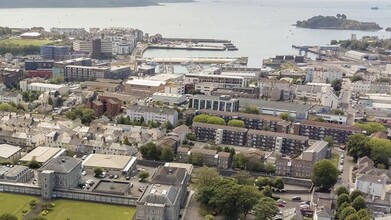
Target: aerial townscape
{"type": "Point", "coordinates": [91, 128]}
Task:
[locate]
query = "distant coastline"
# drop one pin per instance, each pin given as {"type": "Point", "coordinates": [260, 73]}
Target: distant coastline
{"type": "Point", "coordinates": [339, 22]}
{"type": "Point", "coordinates": [83, 3]}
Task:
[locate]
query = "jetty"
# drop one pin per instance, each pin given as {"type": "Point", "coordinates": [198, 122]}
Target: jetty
{"type": "Point", "coordinates": [187, 47]}
{"type": "Point", "coordinates": [195, 60]}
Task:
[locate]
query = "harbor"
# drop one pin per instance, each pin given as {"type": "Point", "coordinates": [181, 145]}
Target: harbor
{"type": "Point", "coordinates": [195, 60]}
{"type": "Point", "coordinates": [187, 47]}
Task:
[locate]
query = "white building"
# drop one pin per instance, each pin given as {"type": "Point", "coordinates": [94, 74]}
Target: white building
{"type": "Point", "coordinates": [206, 87]}
{"type": "Point", "coordinates": [311, 93]}
{"type": "Point", "coordinates": [361, 86]}
{"type": "Point", "coordinates": [43, 87]}
{"type": "Point", "coordinates": [6, 97]}
{"type": "Point", "coordinates": [323, 76]}
{"type": "Point", "coordinates": [175, 89]}
{"type": "Point", "coordinates": [361, 56]}
{"type": "Point", "coordinates": [371, 185]}
{"type": "Point", "coordinates": [82, 46]}
{"type": "Point", "coordinates": [329, 98]}
{"type": "Point", "coordinates": [220, 80]}
{"type": "Point", "coordinates": [171, 99]}
{"type": "Point", "coordinates": [153, 114]}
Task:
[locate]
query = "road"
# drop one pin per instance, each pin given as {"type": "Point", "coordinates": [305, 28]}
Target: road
{"type": "Point", "coordinates": [346, 176]}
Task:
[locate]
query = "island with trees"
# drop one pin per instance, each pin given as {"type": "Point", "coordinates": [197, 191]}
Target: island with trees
{"type": "Point", "coordinates": [338, 22]}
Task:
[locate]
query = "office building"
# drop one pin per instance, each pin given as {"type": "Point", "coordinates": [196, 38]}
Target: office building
{"type": "Point", "coordinates": [170, 99]}
{"type": "Point", "coordinates": [59, 67]}
{"type": "Point", "coordinates": [222, 103]}
{"type": "Point", "coordinates": [221, 81]}
{"type": "Point", "coordinates": [53, 52]}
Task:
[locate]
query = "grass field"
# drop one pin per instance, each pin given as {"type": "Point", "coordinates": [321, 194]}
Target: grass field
{"type": "Point", "coordinates": [25, 42]}
{"type": "Point", "coordinates": [15, 204]}
{"type": "Point", "coordinates": [67, 209]}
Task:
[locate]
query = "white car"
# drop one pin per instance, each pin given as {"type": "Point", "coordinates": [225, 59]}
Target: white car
{"type": "Point", "coordinates": [84, 173]}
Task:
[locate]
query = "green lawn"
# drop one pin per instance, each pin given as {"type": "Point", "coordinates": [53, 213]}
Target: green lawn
{"type": "Point", "coordinates": [15, 204]}
{"type": "Point", "coordinates": [77, 210]}
{"type": "Point", "coordinates": [335, 159]}
{"type": "Point", "coordinates": [25, 42]}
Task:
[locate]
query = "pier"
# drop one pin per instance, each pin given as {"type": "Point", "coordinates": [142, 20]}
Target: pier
{"type": "Point", "coordinates": [187, 47]}
{"type": "Point", "coordinates": [195, 40]}
{"type": "Point", "coordinates": [317, 50]}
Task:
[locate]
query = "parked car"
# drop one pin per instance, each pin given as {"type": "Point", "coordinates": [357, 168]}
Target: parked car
{"type": "Point", "coordinates": [127, 178]}
{"type": "Point", "coordinates": [280, 205]}
{"type": "Point", "coordinates": [281, 201]}
{"type": "Point", "coordinates": [296, 198]}
{"type": "Point", "coordinates": [111, 176]}
{"type": "Point", "coordinates": [305, 206]}
{"type": "Point", "coordinates": [116, 176]}
{"type": "Point", "coordinates": [84, 173]}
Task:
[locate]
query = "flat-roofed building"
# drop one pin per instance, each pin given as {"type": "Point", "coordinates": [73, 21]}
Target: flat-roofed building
{"type": "Point", "coordinates": [220, 80]}
{"type": "Point", "coordinates": [317, 151]}
{"type": "Point", "coordinates": [9, 153]}
{"type": "Point", "coordinates": [112, 164]}
{"type": "Point", "coordinates": [319, 130]}
{"type": "Point", "coordinates": [43, 87]}
{"type": "Point", "coordinates": [152, 114]}
{"type": "Point", "coordinates": [168, 98]}
{"type": "Point", "coordinates": [102, 86]}
{"type": "Point", "coordinates": [143, 88]}
{"type": "Point", "coordinates": [278, 142]}
{"type": "Point", "coordinates": [220, 134]}
{"type": "Point", "coordinates": [43, 154]}
{"type": "Point", "coordinates": [221, 103]}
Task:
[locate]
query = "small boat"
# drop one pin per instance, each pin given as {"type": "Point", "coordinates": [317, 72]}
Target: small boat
{"type": "Point", "coordinates": [375, 8]}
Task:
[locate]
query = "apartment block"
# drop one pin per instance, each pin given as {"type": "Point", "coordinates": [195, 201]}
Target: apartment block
{"type": "Point", "coordinates": [319, 130]}
{"type": "Point", "coordinates": [153, 114]}
{"type": "Point", "coordinates": [277, 142]}
{"type": "Point", "coordinates": [294, 167]}
{"type": "Point", "coordinates": [85, 73]}
{"type": "Point", "coordinates": [221, 103]}
{"type": "Point", "coordinates": [223, 81]}
{"type": "Point", "coordinates": [220, 134]}
{"type": "Point", "coordinates": [251, 121]}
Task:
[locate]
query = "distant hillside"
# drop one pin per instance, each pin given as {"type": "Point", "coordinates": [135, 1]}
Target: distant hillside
{"type": "Point", "coordinates": [339, 22]}
{"type": "Point", "coordinates": [81, 3]}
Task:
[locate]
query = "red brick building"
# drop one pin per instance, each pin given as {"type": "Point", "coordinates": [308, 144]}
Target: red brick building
{"type": "Point", "coordinates": [44, 73]}
{"type": "Point", "coordinates": [98, 107]}
{"type": "Point", "coordinates": [113, 108]}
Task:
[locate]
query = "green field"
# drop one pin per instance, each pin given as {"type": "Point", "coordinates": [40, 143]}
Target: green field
{"type": "Point", "coordinates": [14, 204]}
{"type": "Point", "coordinates": [67, 209]}
{"type": "Point", "coordinates": [25, 42]}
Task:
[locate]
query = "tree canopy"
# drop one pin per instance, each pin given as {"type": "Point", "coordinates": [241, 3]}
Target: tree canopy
{"type": "Point", "coordinates": [252, 109]}
{"type": "Point", "coordinates": [341, 199]}
{"type": "Point", "coordinates": [357, 146]}
{"type": "Point", "coordinates": [359, 203]}
{"type": "Point", "coordinates": [236, 123]}
{"type": "Point", "coordinates": [324, 174]}
{"type": "Point", "coordinates": [86, 115]}
{"type": "Point", "coordinates": [150, 151]}
{"type": "Point", "coordinates": [342, 190]}
{"type": "Point", "coordinates": [202, 118]}
{"type": "Point", "coordinates": [371, 127]}
{"type": "Point", "coordinates": [265, 209]}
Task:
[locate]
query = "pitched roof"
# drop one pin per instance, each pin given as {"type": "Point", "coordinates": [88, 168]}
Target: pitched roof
{"type": "Point", "coordinates": [169, 175]}
{"type": "Point", "coordinates": [7, 150]}
{"type": "Point", "coordinates": [61, 164]}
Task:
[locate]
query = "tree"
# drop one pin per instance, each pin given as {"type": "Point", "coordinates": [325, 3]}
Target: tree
{"type": "Point", "coordinates": [358, 203]}
{"type": "Point", "coordinates": [380, 150]}
{"type": "Point", "coordinates": [263, 181]}
{"type": "Point", "coordinates": [143, 175]}
{"type": "Point", "coordinates": [196, 159]}
{"type": "Point", "coordinates": [98, 171]}
{"type": "Point", "coordinates": [248, 197]}
{"type": "Point", "coordinates": [371, 127]}
{"type": "Point", "coordinates": [342, 207]}
{"type": "Point", "coordinates": [346, 212]}
{"type": "Point", "coordinates": [342, 190]}
{"type": "Point", "coordinates": [284, 116]}
{"type": "Point", "coordinates": [362, 213]}
{"type": "Point", "coordinates": [168, 126]}
{"type": "Point", "coordinates": [352, 217]}
{"type": "Point", "coordinates": [206, 175]}
{"type": "Point", "coordinates": [50, 101]}
{"type": "Point", "coordinates": [34, 164]}
{"type": "Point", "coordinates": [244, 178]}
{"type": "Point", "coordinates": [167, 154]}
{"type": "Point", "coordinates": [7, 216]}
{"type": "Point", "coordinates": [241, 160]}
{"type": "Point", "coordinates": [354, 194]}
{"type": "Point", "coordinates": [267, 191]}
{"type": "Point", "coordinates": [39, 218]}
{"type": "Point", "coordinates": [357, 146]}
{"type": "Point", "coordinates": [341, 199]}
{"type": "Point", "coordinates": [265, 209]}
{"type": "Point", "coordinates": [215, 120]}
{"type": "Point", "coordinates": [252, 109]}
{"type": "Point", "coordinates": [70, 115]}
{"type": "Point", "coordinates": [150, 151]}
{"type": "Point", "coordinates": [338, 16]}
{"type": "Point", "coordinates": [126, 141]}
{"type": "Point", "coordinates": [343, 16]}
{"type": "Point", "coordinates": [337, 85]}
{"type": "Point", "coordinates": [278, 183]}
{"type": "Point", "coordinates": [201, 118]}
{"type": "Point", "coordinates": [329, 139]}
{"type": "Point", "coordinates": [356, 78]}
{"type": "Point", "coordinates": [191, 136]}
{"type": "Point", "coordinates": [209, 217]}
{"type": "Point", "coordinates": [236, 123]}
{"type": "Point", "coordinates": [324, 174]}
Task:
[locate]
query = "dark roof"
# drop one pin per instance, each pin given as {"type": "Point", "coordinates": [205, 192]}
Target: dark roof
{"type": "Point", "coordinates": [61, 164]}
{"type": "Point", "coordinates": [224, 127]}
{"type": "Point", "coordinates": [330, 125]}
{"type": "Point", "coordinates": [276, 134]}
{"type": "Point", "coordinates": [169, 175]}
